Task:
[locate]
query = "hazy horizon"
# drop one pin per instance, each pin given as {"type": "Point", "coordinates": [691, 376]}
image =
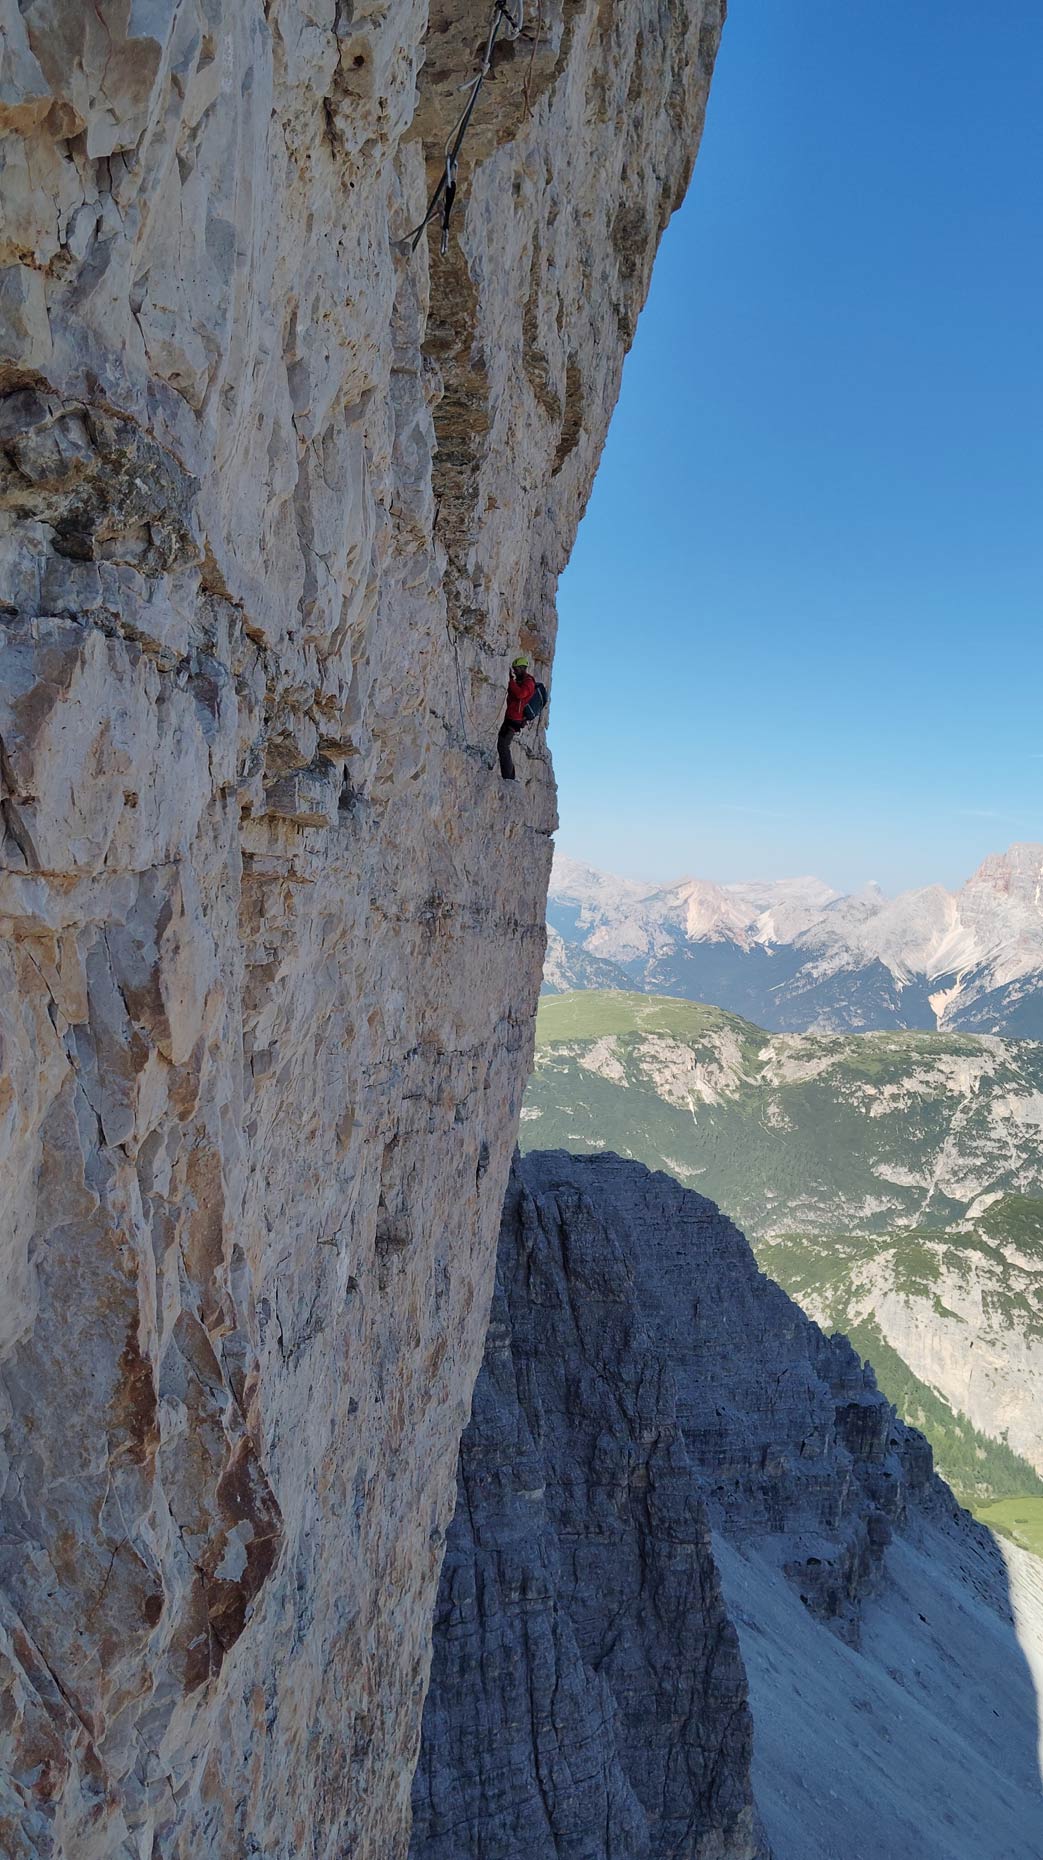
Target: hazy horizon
{"type": "Point", "coordinates": [678, 873]}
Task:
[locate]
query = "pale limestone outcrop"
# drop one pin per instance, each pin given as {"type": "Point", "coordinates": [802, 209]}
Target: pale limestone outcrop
{"type": "Point", "coordinates": [277, 501]}
{"type": "Point", "coordinates": [974, 1333]}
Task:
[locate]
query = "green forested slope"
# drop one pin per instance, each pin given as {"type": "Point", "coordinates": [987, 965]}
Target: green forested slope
{"type": "Point", "coordinates": [893, 1182]}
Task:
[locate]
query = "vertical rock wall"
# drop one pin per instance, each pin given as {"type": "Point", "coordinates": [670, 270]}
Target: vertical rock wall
{"type": "Point", "coordinates": [587, 1697]}
{"type": "Point", "coordinates": [643, 1381]}
{"type": "Point", "coordinates": [277, 502]}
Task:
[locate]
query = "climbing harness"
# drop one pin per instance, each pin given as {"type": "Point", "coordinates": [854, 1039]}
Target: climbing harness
{"type": "Point", "coordinates": [445, 192]}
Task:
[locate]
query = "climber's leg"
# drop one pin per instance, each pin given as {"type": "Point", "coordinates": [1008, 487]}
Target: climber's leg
{"type": "Point", "coordinates": [508, 732]}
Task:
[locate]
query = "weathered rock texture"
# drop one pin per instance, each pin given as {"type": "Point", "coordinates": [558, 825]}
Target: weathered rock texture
{"type": "Point", "coordinates": [643, 1381]}
{"type": "Point", "coordinates": [588, 1697]}
{"type": "Point", "coordinates": [277, 502]}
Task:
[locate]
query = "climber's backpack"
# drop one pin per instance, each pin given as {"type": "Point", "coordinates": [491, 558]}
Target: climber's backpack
{"type": "Point", "coordinates": [536, 704]}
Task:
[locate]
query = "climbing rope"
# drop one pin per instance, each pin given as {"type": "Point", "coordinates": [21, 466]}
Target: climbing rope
{"type": "Point", "coordinates": [455, 644]}
{"type": "Point", "coordinates": [536, 41]}
{"type": "Point", "coordinates": [445, 192]}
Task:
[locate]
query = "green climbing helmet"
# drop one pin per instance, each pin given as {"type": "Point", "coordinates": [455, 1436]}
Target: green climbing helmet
{"type": "Point", "coordinates": [521, 663]}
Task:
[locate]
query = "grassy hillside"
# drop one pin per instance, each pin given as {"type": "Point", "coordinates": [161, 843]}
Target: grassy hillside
{"type": "Point", "coordinates": [1020, 1519]}
{"type": "Point", "coordinates": [893, 1182]}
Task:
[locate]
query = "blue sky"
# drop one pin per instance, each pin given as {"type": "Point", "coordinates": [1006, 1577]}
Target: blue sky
{"type": "Point", "coordinates": [800, 631]}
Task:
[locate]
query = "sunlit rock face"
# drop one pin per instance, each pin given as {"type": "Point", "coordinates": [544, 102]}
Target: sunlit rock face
{"type": "Point", "coordinates": [278, 501]}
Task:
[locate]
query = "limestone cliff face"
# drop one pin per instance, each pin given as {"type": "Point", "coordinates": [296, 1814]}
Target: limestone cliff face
{"type": "Point", "coordinates": [703, 1593]}
{"type": "Point", "coordinates": [277, 502]}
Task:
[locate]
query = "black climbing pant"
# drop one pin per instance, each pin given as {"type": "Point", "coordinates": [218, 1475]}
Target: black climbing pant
{"type": "Point", "coordinates": [508, 732]}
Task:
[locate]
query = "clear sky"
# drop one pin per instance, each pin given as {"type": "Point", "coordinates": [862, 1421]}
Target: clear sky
{"type": "Point", "coordinates": [801, 628]}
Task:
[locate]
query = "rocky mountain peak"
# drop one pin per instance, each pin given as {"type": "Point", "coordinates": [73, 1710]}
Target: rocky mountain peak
{"type": "Point", "coordinates": [701, 908]}
{"type": "Point", "coordinates": [702, 1594]}
{"type": "Point", "coordinates": [794, 954]}
{"type": "Point", "coordinates": [1016, 873]}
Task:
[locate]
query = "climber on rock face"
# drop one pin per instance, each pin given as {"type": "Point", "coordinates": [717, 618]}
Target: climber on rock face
{"type": "Point", "coordinates": [521, 688]}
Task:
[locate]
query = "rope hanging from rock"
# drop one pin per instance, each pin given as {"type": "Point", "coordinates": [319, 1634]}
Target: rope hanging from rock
{"type": "Point", "coordinates": [446, 189]}
{"type": "Point", "coordinates": [537, 39]}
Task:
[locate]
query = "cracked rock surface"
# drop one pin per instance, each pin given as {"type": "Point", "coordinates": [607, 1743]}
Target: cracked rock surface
{"type": "Point", "coordinates": [277, 504]}
{"type": "Point", "coordinates": [588, 1697]}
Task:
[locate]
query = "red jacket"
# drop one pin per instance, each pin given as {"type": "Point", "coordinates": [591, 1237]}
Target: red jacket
{"type": "Point", "coordinates": [519, 691]}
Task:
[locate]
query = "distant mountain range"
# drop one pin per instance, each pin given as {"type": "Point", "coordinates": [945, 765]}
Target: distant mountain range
{"type": "Point", "coordinates": [793, 956]}
{"type": "Point", "coordinates": [891, 1182]}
